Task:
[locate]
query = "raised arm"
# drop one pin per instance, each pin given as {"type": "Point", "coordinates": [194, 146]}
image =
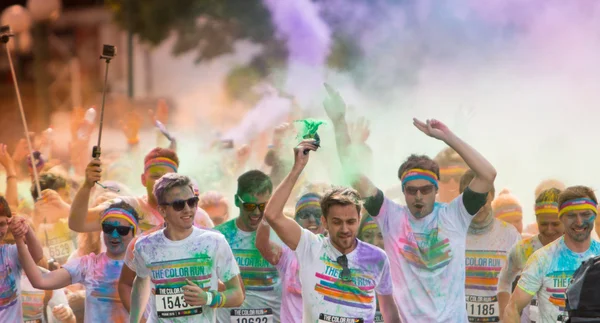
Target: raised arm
{"type": "Point", "coordinates": [82, 219]}
{"type": "Point", "coordinates": [287, 229]}
{"type": "Point", "coordinates": [11, 194]}
{"type": "Point", "coordinates": [270, 251]}
{"type": "Point", "coordinates": [485, 173]}
{"type": "Point", "coordinates": [335, 107]}
{"type": "Point", "coordinates": [47, 281]}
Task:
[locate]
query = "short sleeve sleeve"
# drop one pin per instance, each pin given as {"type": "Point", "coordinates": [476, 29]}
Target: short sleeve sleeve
{"type": "Point", "coordinates": [227, 268]}
{"type": "Point", "coordinates": [284, 260]}
{"type": "Point", "coordinates": [138, 264]}
{"type": "Point", "coordinates": [385, 286]}
{"type": "Point", "coordinates": [308, 243]}
{"type": "Point", "coordinates": [78, 268]}
{"type": "Point", "coordinates": [13, 253]}
{"type": "Point", "coordinates": [533, 274]}
{"type": "Point", "coordinates": [455, 215]}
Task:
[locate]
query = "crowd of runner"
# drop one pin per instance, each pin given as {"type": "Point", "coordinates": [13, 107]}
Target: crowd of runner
{"type": "Point", "coordinates": [447, 249]}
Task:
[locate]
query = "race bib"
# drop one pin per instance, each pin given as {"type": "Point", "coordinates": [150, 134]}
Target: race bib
{"type": "Point", "coordinates": [61, 250]}
{"type": "Point", "coordinates": [378, 318]}
{"type": "Point", "coordinates": [252, 315]}
{"type": "Point", "coordinates": [534, 311]}
{"type": "Point", "coordinates": [325, 318]}
{"type": "Point", "coordinates": [483, 309]}
{"type": "Point", "coordinates": [170, 303]}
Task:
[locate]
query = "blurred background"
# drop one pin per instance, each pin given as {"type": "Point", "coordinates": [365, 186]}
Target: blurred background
{"type": "Point", "coordinates": [518, 79]}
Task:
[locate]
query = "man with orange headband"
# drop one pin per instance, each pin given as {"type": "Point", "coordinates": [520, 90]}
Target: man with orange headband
{"type": "Point", "coordinates": [550, 229]}
{"type": "Point", "coordinates": [425, 241]}
{"type": "Point", "coordinates": [158, 162]}
{"type": "Point", "coordinates": [549, 271]}
{"type": "Point", "coordinates": [507, 208]}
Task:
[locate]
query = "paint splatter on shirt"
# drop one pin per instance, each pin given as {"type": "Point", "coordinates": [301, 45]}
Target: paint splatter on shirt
{"type": "Point", "coordinates": [548, 273]}
{"type": "Point", "coordinates": [261, 279]}
{"type": "Point", "coordinates": [204, 258]}
{"type": "Point", "coordinates": [57, 240]}
{"type": "Point", "coordinates": [33, 302]}
{"type": "Point", "coordinates": [485, 256]}
{"type": "Point", "coordinates": [150, 217]}
{"type": "Point", "coordinates": [326, 294]}
{"type": "Point", "coordinates": [291, 291]}
{"type": "Point", "coordinates": [10, 284]}
{"type": "Point", "coordinates": [100, 276]}
{"type": "Point", "coordinates": [427, 257]}
{"type": "Point", "coordinates": [517, 258]}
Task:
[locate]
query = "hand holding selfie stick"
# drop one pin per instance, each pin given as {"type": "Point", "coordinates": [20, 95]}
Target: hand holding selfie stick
{"type": "Point", "coordinates": [108, 53]}
{"type": "Point", "coordinates": [5, 35]}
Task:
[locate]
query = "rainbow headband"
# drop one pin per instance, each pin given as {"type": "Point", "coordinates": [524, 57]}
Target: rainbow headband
{"type": "Point", "coordinates": [577, 205]}
{"type": "Point", "coordinates": [161, 161]}
{"type": "Point", "coordinates": [417, 173]}
{"type": "Point", "coordinates": [120, 214]}
{"type": "Point", "coordinates": [546, 208]}
{"type": "Point", "coordinates": [505, 212]}
{"type": "Point", "coordinates": [308, 201]}
{"type": "Point", "coordinates": [453, 170]}
{"type": "Point", "coordinates": [368, 225]}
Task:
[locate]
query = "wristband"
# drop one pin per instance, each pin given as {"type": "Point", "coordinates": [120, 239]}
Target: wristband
{"type": "Point", "coordinates": [209, 298]}
{"type": "Point", "coordinates": [223, 300]}
{"type": "Point", "coordinates": [215, 299]}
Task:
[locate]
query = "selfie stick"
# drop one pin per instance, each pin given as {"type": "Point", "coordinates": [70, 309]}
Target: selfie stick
{"type": "Point", "coordinates": [5, 35]}
{"type": "Point", "coordinates": [96, 151]}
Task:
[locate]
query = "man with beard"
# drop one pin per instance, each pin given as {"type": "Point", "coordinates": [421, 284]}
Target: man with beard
{"type": "Point", "coordinates": [261, 279]}
{"type": "Point", "coordinates": [549, 270]}
{"type": "Point", "coordinates": [550, 229]}
{"type": "Point", "coordinates": [488, 243]}
{"type": "Point", "coordinates": [308, 215]}
{"type": "Point", "coordinates": [342, 277]}
{"type": "Point", "coordinates": [425, 241]}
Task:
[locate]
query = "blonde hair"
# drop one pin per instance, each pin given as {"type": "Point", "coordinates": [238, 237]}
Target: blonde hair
{"type": "Point", "coordinates": [340, 196]}
{"type": "Point", "coordinates": [504, 200]}
{"type": "Point", "coordinates": [449, 157]}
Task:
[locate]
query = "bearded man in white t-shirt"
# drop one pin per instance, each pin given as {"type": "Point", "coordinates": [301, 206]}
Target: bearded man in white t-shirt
{"type": "Point", "coordinates": [424, 240]}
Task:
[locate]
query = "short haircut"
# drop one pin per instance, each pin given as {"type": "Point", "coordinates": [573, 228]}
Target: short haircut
{"type": "Point", "coordinates": [340, 196]}
{"type": "Point", "coordinates": [254, 182]}
{"type": "Point", "coordinates": [547, 184]}
{"type": "Point", "coordinates": [48, 181]}
{"type": "Point", "coordinates": [548, 196]}
{"type": "Point", "coordinates": [419, 161]}
{"type": "Point", "coordinates": [576, 192]}
{"type": "Point", "coordinates": [449, 157]}
{"type": "Point", "coordinates": [162, 152]}
{"type": "Point", "coordinates": [4, 208]}
{"type": "Point", "coordinates": [120, 204]}
{"type": "Point", "coordinates": [466, 179]}
{"type": "Point", "coordinates": [167, 182]}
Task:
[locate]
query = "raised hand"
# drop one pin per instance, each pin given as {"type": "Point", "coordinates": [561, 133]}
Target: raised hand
{"type": "Point", "coordinates": [433, 128]}
{"type": "Point", "coordinates": [131, 126]}
{"type": "Point", "coordinates": [302, 152]}
{"type": "Point", "coordinates": [6, 160]}
{"type": "Point", "coordinates": [242, 155]}
{"type": "Point", "coordinates": [360, 130]}
{"type": "Point", "coordinates": [21, 151]}
{"type": "Point", "coordinates": [334, 104]}
{"type": "Point", "coordinates": [281, 134]}
{"type": "Point", "coordinates": [18, 227]}
{"type": "Point", "coordinates": [93, 173]}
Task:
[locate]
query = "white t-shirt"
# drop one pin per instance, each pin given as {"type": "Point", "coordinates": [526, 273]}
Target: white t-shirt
{"type": "Point", "coordinates": [326, 297]}
{"type": "Point", "coordinates": [261, 279]}
{"type": "Point", "coordinates": [548, 273]}
{"type": "Point", "coordinates": [150, 217]}
{"type": "Point", "coordinates": [485, 256]}
{"type": "Point", "coordinates": [11, 309]}
{"type": "Point", "coordinates": [33, 302]}
{"type": "Point", "coordinates": [517, 258]}
{"type": "Point", "coordinates": [203, 258]}
{"type": "Point", "coordinates": [100, 276]}
{"type": "Point", "coordinates": [427, 257]}
{"type": "Point", "coordinates": [291, 288]}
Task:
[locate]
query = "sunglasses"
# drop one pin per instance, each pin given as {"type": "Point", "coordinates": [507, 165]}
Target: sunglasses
{"type": "Point", "coordinates": [178, 205]}
{"type": "Point", "coordinates": [121, 230]}
{"type": "Point", "coordinates": [346, 274]}
{"type": "Point", "coordinates": [413, 190]}
{"type": "Point", "coordinates": [250, 207]}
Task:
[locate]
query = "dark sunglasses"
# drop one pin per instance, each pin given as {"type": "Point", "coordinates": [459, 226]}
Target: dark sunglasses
{"type": "Point", "coordinates": [346, 274]}
{"type": "Point", "coordinates": [250, 207]}
{"type": "Point", "coordinates": [178, 205]}
{"type": "Point", "coordinates": [412, 190]}
{"type": "Point", "coordinates": [121, 230]}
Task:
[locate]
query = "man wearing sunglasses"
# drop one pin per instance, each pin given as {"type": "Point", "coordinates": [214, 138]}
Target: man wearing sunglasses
{"type": "Point", "coordinates": [98, 273]}
{"type": "Point", "coordinates": [261, 279]}
{"type": "Point", "coordinates": [181, 264]}
{"type": "Point", "coordinates": [425, 240]}
{"type": "Point", "coordinates": [308, 216]}
{"type": "Point", "coordinates": [342, 277]}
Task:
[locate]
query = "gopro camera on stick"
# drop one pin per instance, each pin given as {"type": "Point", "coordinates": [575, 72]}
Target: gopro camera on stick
{"type": "Point", "coordinates": [108, 52]}
{"type": "Point", "coordinates": [5, 33]}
